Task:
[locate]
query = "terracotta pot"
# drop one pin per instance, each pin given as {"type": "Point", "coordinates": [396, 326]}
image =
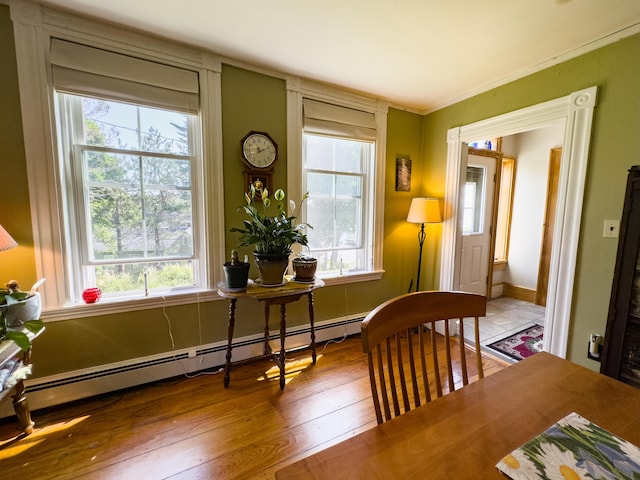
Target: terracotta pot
{"type": "Point", "coordinates": [272, 267]}
{"type": "Point", "coordinates": [305, 269]}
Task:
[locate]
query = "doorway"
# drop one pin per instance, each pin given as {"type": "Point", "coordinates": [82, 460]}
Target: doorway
{"type": "Point", "coordinates": [575, 113]}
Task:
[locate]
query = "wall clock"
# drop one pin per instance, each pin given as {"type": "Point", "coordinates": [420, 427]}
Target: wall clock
{"type": "Point", "coordinates": [259, 153]}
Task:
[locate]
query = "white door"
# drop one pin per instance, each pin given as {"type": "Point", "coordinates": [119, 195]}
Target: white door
{"type": "Point", "coordinates": [477, 212]}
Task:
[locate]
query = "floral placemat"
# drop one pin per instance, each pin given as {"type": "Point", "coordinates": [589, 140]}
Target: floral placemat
{"type": "Point", "coordinates": [573, 448]}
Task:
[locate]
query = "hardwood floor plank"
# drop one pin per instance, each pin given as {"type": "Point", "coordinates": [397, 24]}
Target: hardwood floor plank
{"type": "Point", "coordinates": [189, 428]}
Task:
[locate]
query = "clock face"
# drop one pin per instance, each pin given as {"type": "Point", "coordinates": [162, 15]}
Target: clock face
{"type": "Point", "coordinates": [259, 150]}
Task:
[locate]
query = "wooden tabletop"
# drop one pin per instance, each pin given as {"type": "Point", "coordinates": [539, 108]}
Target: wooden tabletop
{"type": "Point", "coordinates": [464, 434]}
{"type": "Point", "coordinates": [289, 287]}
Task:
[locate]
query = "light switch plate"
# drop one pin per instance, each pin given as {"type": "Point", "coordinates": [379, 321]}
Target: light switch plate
{"type": "Point", "coordinates": [611, 228]}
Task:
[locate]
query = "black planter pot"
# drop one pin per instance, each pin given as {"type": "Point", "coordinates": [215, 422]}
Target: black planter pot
{"type": "Point", "coordinates": [236, 275]}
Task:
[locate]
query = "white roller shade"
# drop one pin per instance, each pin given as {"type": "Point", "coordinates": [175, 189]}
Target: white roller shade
{"type": "Point", "coordinates": [328, 119]}
{"type": "Point", "coordinates": [84, 70]}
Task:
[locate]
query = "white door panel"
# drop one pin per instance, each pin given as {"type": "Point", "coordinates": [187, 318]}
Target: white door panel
{"type": "Point", "coordinates": [477, 204]}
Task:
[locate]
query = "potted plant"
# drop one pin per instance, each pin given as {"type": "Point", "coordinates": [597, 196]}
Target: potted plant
{"type": "Point", "coordinates": [236, 273]}
{"type": "Point", "coordinates": [19, 310]}
{"type": "Point", "coordinates": [304, 268]}
{"type": "Point", "coordinates": [272, 233]}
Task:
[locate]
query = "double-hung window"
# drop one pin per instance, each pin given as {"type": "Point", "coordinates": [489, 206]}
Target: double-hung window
{"type": "Point", "coordinates": [338, 169]}
{"type": "Point", "coordinates": [129, 163]}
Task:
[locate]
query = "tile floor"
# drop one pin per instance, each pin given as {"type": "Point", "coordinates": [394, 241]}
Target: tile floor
{"type": "Point", "coordinates": [505, 316]}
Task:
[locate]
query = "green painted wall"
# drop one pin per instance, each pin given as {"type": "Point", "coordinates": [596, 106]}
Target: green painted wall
{"type": "Point", "coordinates": [614, 148]}
{"type": "Point", "coordinates": [404, 139]}
{"type": "Point", "coordinates": [15, 215]}
{"type": "Point", "coordinates": [252, 101]}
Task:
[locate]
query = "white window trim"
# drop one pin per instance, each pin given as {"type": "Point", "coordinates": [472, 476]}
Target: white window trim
{"type": "Point", "coordinates": [33, 27]}
{"type": "Point", "coordinates": [297, 89]}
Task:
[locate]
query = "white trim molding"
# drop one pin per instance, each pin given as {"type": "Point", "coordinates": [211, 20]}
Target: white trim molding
{"type": "Point", "coordinates": [575, 111]}
{"type": "Point", "coordinates": [297, 89]}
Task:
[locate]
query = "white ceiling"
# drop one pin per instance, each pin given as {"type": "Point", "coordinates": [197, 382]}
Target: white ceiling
{"type": "Point", "coordinates": [421, 54]}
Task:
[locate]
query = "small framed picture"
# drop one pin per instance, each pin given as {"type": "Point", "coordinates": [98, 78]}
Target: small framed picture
{"type": "Point", "coordinates": [403, 174]}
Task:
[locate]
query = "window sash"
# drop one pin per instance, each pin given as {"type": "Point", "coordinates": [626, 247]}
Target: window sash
{"type": "Point", "coordinates": [82, 261]}
{"type": "Point", "coordinates": [88, 185]}
{"type": "Point", "coordinates": [361, 253]}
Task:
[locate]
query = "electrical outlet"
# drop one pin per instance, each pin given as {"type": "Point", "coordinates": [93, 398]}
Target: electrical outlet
{"type": "Point", "coordinates": [595, 346]}
{"type": "Point", "coordinates": [611, 228]}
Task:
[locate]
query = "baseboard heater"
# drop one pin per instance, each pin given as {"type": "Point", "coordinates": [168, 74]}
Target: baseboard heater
{"type": "Point", "coordinates": [58, 389]}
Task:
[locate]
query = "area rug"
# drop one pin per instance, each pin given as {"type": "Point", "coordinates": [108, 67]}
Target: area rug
{"type": "Point", "coordinates": [520, 345]}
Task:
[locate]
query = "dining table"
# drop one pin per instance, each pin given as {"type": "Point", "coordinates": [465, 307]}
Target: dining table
{"type": "Point", "coordinates": [464, 434]}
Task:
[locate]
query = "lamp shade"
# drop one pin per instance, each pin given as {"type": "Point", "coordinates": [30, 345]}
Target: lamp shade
{"type": "Point", "coordinates": [6, 241]}
{"type": "Point", "coordinates": [424, 210]}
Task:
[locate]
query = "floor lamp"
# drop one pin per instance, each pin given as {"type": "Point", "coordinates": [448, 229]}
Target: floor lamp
{"type": "Point", "coordinates": [423, 210]}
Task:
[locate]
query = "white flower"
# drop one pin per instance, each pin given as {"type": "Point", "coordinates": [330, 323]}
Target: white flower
{"type": "Point", "coordinates": [519, 463]}
{"type": "Point", "coordinates": [559, 465]}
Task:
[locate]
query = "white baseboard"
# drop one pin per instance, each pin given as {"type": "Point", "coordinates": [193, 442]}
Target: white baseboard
{"type": "Point", "coordinates": [74, 385]}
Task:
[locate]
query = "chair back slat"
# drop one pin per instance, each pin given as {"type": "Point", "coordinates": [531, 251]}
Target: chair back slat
{"type": "Point", "coordinates": [407, 369]}
{"type": "Point", "coordinates": [436, 365]}
{"type": "Point", "coordinates": [423, 365]}
{"type": "Point", "coordinates": [476, 326]}
{"type": "Point", "coordinates": [412, 367]}
{"type": "Point", "coordinates": [447, 346]}
{"type": "Point", "coordinates": [403, 381]}
{"type": "Point", "coordinates": [374, 387]}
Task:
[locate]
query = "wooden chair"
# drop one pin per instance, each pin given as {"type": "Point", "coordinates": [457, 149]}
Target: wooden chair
{"type": "Point", "coordinates": [412, 352]}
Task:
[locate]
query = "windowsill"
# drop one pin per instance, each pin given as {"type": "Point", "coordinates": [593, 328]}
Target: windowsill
{"type": "Point", "coordinates": [352, 277]}
{"type": "Point", "coordinates": [113, 306]}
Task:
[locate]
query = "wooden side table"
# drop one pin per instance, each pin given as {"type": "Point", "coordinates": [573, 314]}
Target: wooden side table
{"type": "Point", "coordinates": [290, 292]}
{"type": "Point", "coordinates": [9, 351]}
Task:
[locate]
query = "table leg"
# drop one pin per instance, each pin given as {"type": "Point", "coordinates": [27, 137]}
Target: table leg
{"type": "Point", "coordinates": [230, 327]}
{"type": "Point", "coordinates": [267, 347]}
{"type": "Point", "coordinates": [313, 331]}
{"type": "Point", "coordinates": [21, 408]}
{"type": "Point", "coordinates": [283, 333]}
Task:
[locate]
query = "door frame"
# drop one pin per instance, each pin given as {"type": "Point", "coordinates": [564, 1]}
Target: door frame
{"type": "Point", "coordinates": [555, 160]}
{"type": "Point", "coordinates": [575, 112]}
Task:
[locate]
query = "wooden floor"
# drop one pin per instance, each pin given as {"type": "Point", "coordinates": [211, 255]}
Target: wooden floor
{"type": "Point", "coordinates": [194, 428]}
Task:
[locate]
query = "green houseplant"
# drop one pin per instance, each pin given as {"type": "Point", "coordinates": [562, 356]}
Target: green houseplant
{"type": "Point", "coordinates": [15, 309]}
{"type": "Point", "coordinates": [271, 231]}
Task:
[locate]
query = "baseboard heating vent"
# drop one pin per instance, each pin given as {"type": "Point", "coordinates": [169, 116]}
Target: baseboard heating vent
{"type": "Point", "coordinates": [276, 336]}
{"type": "Point", "coordinates": [107, 372]}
